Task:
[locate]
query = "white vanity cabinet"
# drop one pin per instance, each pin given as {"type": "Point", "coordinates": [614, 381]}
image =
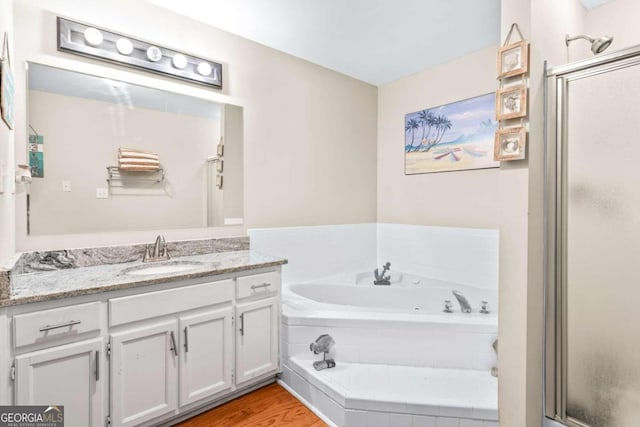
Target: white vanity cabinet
{"type": "Point", "coordinates": [56, 363]}
{"type": "Point", "coordinates": [144, 370]}
{"type": "Point", "coordinates": [206, 360]}
{"type": "Point", "coordinates": [148, 355]}
{"type": "Point", "coordinates": [170, 349]}
{"type": "Point", "coordinates": [258, 314]}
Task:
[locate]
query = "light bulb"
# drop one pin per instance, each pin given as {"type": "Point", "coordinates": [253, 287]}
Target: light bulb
{"type": "Point", "coordinates": [204, 68]}
{"type": "Point", "coordinates": [124, 46]}
{"type": "Point", "coordinates": [93, 36]}
{"type": "Point", "coordinates": [179, 61]}
{"type": "Point", "coordinates": [154, 53]}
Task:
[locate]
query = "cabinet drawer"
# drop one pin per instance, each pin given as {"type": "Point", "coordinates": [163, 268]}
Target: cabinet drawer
{"type": "Point", "coordinates": [266, 284]}
{"type": "Point", "coordinates": [57, 323]}
{"type": "Point", "coordinates": [153, 304]}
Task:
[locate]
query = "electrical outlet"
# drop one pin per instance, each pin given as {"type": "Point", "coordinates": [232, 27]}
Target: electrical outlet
{"type": "Point", "coordinates": [66, 186]}
{"type": "Point", "coordinates": [102, 193]}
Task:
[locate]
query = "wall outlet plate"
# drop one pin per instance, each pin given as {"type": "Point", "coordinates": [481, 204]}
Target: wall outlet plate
{"type": "Point", "coordinates": [66, 186]}
{"type": "Point", "coordinates": [102, 193]}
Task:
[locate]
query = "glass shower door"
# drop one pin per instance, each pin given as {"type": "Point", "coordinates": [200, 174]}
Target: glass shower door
{"type": "Point", "coordinates": [599, 235]}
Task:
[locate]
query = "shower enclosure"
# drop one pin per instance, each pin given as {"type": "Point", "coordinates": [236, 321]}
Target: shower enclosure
{"type": "Point", "coordinates": [592, 365]}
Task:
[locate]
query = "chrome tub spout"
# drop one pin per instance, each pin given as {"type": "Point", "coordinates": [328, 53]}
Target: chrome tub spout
{"type": "Point", "coordinates": [465, 307]}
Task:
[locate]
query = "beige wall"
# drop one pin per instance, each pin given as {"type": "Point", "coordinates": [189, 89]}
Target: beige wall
{"type": "Point", "coordinates": [310, 133]}
{"type": "Point", "coordinates": [458, 199]}
{"type": "Point", "coordinates": [7, 199]}
{"type": "Point", "coordinates": [618, 19]}
{"type": "Point", "coordinates": [79, 151]}
{"type": "Point", "coordinates": [233, 154]}
{"type": "Point", "coordinates": [509, 198]}
{"type": "Point", "coordinates": [521, 324]}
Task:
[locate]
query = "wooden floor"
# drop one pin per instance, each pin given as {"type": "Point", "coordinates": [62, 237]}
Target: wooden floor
{"type": "Point", "coordinates": [269, 406]}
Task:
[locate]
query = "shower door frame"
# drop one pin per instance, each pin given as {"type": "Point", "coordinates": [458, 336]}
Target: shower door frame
{"type": "Point", "coordinates": [556, 87]}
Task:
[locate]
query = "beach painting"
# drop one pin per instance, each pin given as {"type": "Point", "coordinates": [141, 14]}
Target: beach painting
{"type": "Point", "coordinates": [452, 137]}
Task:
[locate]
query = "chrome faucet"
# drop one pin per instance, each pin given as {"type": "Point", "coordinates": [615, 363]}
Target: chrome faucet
{"type": "Point", "coordinates": [465, 307]}
{"type": "Point", "coordinates": [382, 279]}
{"type": "Point", "coordinates": [159, 253]}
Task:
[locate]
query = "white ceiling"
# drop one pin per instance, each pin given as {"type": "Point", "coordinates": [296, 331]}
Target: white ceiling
{"type": "Point", "coordinates": [377, 41]}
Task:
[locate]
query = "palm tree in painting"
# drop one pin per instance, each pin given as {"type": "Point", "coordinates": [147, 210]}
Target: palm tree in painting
{"type": "Point", "coordinates": [411, 125]}
{"type": "Point", "coordinates": [432, 121]}
{"type": "Point", "coordinates": [423, 117]}
{"type": "Point", "coordinates": [442, 124]}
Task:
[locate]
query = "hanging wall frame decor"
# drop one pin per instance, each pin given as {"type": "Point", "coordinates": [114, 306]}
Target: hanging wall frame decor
{"type": "Point", "coordinates": [511, 98]}
{"type": "Point", "coordinates": [513, 58]}
{"type": "Point", "coordinates": [511, 102]}
{"type": "Point", "coordinates": [7, 86]}
{"type": "Point", "coordinates": [510, 143]}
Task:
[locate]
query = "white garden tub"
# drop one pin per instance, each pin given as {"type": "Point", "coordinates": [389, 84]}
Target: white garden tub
{"type": "Point", "coordinates": [399, 324]}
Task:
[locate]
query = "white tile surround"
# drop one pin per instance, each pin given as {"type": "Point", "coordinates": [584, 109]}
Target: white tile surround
{"type": "Point", "coordinates": [460, 255]}
{"type": "Point", "coordinates": [320, 251]}
{"type": "Point", "coordinates": [389, 373]}
{"type": "Point", "coordinates": [361, 395]}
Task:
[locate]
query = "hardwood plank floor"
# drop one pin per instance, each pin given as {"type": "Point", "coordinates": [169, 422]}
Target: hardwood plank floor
{"type": "Point", "coordinates": [270, 406]}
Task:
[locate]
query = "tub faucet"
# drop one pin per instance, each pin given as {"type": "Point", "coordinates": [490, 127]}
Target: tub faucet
{"type": "Point", "coordinates": [159, 253]}
{"type": "Point", "coordinates": [382, 279]}
{"type": "Point", "coordinates": [465, 307]}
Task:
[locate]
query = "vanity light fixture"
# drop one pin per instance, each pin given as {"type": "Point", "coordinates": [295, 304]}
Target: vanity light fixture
{"type": "Point", "coordinates": [93, 37]}
{"type": "Point", "coordinates": [91, 41]}
{"type": "Point", "coordinates": [124, 46]}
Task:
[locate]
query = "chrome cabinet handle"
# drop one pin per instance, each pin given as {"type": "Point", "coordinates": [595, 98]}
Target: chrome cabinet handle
{"type": "Point", "coordinates": [186, 339]}
{"type": "Point", "coordinates": [61, 325]}
{"type": "Point", "coordinates": [264, 285]}
{"type": "Point", "coordinates": [242, 325]}
{"type": "Point", "coordinates": [97, 366]}
{"type": "Point", "coordinates": [173, 344]}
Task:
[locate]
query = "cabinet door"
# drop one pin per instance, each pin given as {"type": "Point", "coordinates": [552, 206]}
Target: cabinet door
{"type": "Point", "coordinates": [206, 359]}
{"type": "Point", "coordinates": [69, 375]}
{"type": "Point", "coordinates": [144, 367]}
{"type": "Point", "coordinates": [256, 339]}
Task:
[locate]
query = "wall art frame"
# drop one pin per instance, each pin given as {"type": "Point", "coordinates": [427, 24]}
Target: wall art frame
{"type": "Point", "coordinates": [452, 137]}
{"type": "Point", "coordinates": [106, 45]}
{"type": "Point", "coordinates": [7, 85]}
{"type": "Point", "coordinates": [511, 102]}
{"type": "Point", "coordinates": [510, 143]}
{"type": "Point", "coordinates": [513, 59]}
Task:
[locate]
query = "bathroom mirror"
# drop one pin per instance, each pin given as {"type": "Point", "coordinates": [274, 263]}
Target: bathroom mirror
{"type": "Point", "coordinates": [79, 125]}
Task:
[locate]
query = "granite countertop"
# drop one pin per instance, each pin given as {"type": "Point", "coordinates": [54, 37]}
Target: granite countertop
{"type": "Point", "coordinates": [28, 286]}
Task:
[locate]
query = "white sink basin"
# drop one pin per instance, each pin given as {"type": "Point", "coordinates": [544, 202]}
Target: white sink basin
{"type": "Point", "coordinates": [164, 268]}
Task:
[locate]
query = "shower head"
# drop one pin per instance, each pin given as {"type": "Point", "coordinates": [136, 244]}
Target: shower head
{"type": "Point", "coordinates": [598, 45]}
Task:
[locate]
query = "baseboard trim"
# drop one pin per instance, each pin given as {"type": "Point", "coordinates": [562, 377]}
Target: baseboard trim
{"type": "Point", "coordinates": [307, 404]}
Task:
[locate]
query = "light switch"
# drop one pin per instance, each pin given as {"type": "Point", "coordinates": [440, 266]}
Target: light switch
{"type": "Point", "coordinates": [66, 185]}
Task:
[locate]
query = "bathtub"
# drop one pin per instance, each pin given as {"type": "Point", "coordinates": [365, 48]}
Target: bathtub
{"type": "Point", "coordinates": [399, 324]}
{"type": "Point", "coordinates": [398, 356]}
